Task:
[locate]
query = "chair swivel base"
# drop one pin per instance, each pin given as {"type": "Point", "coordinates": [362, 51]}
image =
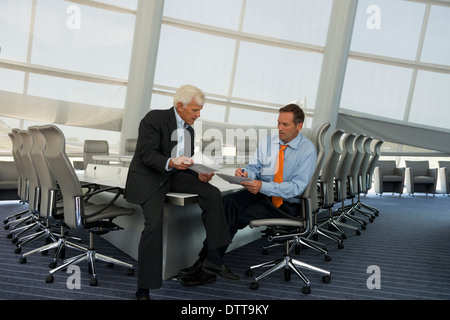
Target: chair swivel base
{"type": "Point", "coordinates": [89, 256]}
{"type": "Point", "coordinates": [288, 264]}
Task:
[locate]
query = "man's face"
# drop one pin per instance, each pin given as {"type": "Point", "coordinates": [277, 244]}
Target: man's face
{"type": "Point", "coordinates": [287, 130]}
{"type": "Point", "coordinates": [189, 113]}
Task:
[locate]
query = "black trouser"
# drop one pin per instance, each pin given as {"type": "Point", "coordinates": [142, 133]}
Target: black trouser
{"type": "Point", "coordinates": [150, 245]}
{"type": "Point", "coordinates": [241, 207]}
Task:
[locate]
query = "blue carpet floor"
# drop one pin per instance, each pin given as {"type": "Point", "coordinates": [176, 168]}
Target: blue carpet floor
{"type": "Point", "coordinates": [407, 245]}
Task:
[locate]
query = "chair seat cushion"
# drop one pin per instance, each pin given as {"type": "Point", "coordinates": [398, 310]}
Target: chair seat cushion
{"type": "Point", "coordinates": [423, 179]}
{"type": "Point", "coordinates": [392, 178]}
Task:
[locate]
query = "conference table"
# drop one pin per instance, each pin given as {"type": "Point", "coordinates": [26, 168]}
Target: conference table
{"type": "Point", "coordinates": [183, 231]}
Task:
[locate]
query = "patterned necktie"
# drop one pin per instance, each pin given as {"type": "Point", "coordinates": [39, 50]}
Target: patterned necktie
{"type": "Point", "coordinates": [278, 201]}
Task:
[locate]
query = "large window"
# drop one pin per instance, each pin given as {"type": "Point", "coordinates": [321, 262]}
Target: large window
{"type": "Point", "coordinates": [399, 62]}
{"type": "Point", "coordinates": [65, 62]}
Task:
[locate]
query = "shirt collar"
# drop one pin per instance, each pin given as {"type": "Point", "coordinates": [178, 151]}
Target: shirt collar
{"type": "Point", "coordinates": [180, 122]}
{"type": "Point", "coordinates": [294, 143]}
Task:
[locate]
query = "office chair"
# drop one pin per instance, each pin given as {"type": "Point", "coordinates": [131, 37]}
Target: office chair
{"type": "Point", "coordinates": [30, 191]}
{"type": "Point", "coordinates": [78, 212]}
{"type": "Point", "coordinates": [317, 136]}
{"type": "Point", "coordinates": [298, 227]}
{"type": "Point", "coordinates": [130, 146]}
{"type": "Point", "coordinates": [92, 148]}
{"type": "Point", "coordinates": [388, 178]}
{"type": "Point", "coordinates": [50, 205]}
{"type": "Point", "coordinates": [419, 177]}
{"type": "Point", "coordinates": [363, 181]}
{"type": "Point", "coordinates": [34, 194]}
{"type": "Point", "coordinates": [326, 188]}
{"type": "Point", "coordinates": [342, 182]}
{"type": "Point", "coordinates": [354, 181]}
{"type": "Point", "coordinates": [444, 176]}
{"type": "Point", "coordinates": [16, 145]}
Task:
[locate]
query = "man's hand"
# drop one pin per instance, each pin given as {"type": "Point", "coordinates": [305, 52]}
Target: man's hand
{"type": "Point", "coordinates": [180, 163]}
{"type": "Point", "coordinates": [241, 173]}
{"type": "Point", "coordinates": [205, 177]}
{"type": "Point", "coordinates": [253, 186]}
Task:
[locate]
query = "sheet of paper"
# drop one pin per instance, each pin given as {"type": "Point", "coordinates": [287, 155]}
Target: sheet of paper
{"type": "Point", "coordinates": [203, 164]}
{"type": "Point", "coordinates": [232, 179]}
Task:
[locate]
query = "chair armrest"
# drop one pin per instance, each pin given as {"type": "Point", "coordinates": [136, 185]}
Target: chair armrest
{"type": "Point", "coordinates": [118, 192]}
{"type": "Point", "coordinates": [400, 172]}
{"type": "Point", "coordinates": [433, 172]}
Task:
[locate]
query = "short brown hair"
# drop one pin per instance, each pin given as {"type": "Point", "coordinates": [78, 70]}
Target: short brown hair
{"type": "Point", "coordinates": [299, 115]}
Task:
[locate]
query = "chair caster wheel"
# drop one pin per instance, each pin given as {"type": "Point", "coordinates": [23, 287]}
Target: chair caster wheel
{"type": "Point", "coordinates": [306, 290]}
{"type": "Point", "coordinates": [14, 240]}
{"type": "Point", "coordinates": [254, 285]}
{"type": "Point", "coordinates": [9, 236]}
{"type": "Point", "coordinates": [358, 232]}
{"type": "Point", "coordinates": [22, 260]}
{"type": "Point", "coordinates": [344, 236]}
{"type": "Point", "coordinates": [18, 250]}
{"type": "Point", "coordinates": [94, 282]}
{"type": "Point", "coordinates": [363, 227]}
{"type": "Point", "coordinates": [52, 265]}
{"type": "Point", "coordinates": [49, 278]}
{"type": "Point", "coordinates": [340, 245]}
{"type": "Point", "coordinates": [327, 258]}
{"type": "Point", "coordinates": [130, 272]}
{"type": "Point", "coordinates": [287, 274]}
{"type": "Point", "coordinates": [249, 273]}
{"type": "Point", "coordinates": [326, 279]}
{"type": "Point", "coordinates": [44, 253]}
{"type": "Point", "coordinates": [6, 227]}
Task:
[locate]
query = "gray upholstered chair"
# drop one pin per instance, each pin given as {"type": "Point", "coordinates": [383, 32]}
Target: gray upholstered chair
{"type": "Point", "coordinates": [130, 146]}
{"type": "Point", "coordinates": [419, 177]}
{"type": "Point", "coordinates": [444, 176]}
{"type": "Point", "coordinates": [298, 226]}
{"type": "Point", "coordinates": [388, 178]}
{"type": "Point", "coordinates": [326, 188]}
{"type": "Point", "coordinates": [79, 213]}
{"type": "Point", "coordinates": [92, 148]}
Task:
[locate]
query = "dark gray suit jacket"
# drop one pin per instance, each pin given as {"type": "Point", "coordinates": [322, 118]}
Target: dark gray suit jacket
{"type": "Point", "coordinates": [154, 147]}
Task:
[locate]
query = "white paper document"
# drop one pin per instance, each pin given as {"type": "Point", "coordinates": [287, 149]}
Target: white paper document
{"type": "Point", "coordinates": [203, 164]}
{"type": "Point", "coordinates": [232, 179]}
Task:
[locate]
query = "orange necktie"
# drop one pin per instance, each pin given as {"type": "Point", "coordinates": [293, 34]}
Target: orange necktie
{"type": "Point", "coordinates": [277, 201]}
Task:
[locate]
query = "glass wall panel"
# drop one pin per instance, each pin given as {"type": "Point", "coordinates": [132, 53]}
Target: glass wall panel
{"type": "Point", "coordinates": [11, 80]}
{"type": "Point", "coordinates": [15, 19]}
{"type": "Point", "coordinates": [187, 57]}
{"type": "Point", "coordinates": [388, 28]}
{"type": "Point", "coordinates": [376, 89]}
{"type": "Point", "coordinates": [276, 75]}
{"type": "Point", "coordinates": [218, 13]}
{"type": "Point", "coordinates": [82, 38]}
{"type": "Point", "coordinates": [296, 20]}
{"type": "Point", "coordinates": [431, 101]}
{"type": "Point", "coordinates": [436, 48]}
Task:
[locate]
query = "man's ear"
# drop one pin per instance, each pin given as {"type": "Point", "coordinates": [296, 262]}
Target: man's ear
{"type": "Point", "coordinates": [179, 106]}
{"type": "Point", "coordinates": [299, 126]}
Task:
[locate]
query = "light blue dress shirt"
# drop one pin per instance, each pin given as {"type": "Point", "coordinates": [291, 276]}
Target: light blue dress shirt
{"type": "Point", "coordinates": [299, 165]}
{"type": "Point", "coordinates": [178, 135]}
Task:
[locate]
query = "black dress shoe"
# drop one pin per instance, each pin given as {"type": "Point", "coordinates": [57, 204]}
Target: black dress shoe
{"type": "Point", "coordinates": [199, 279]}
{"type": "Point", "coordinates": [143, 297]}
{"type": "Point", "coordinates": [222, 271]}
{"type": "Point", "coordinates": [192, 270]}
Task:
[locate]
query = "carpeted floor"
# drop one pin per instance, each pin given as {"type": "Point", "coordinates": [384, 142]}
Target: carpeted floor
{"type": "Point", "coordinates": [407, 246]}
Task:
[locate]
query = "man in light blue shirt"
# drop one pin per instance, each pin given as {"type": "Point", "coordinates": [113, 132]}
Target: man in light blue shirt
{"type": "Point", "coordinates": [255, 201]}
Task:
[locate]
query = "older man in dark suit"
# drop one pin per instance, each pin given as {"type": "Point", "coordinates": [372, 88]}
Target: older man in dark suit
{"type": "Point", "coordinates": [161, 164]}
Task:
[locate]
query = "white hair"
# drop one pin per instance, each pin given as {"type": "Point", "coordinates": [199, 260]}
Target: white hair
{"type": "Point", "coordinates": [186, 93]}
